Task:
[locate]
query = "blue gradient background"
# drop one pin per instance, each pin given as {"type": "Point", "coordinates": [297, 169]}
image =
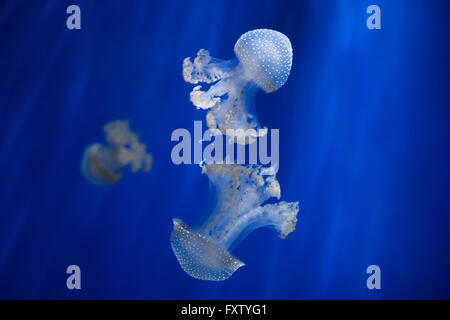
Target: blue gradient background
{"type": "Point", "coordinates": [364, 146]}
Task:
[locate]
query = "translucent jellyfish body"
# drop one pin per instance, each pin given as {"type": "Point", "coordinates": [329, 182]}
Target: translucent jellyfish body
{"type": "Point", "coordinates": [239, 193]}
{"type": "Point", "coordinates": [263, 60]}
{"type": "Point", "coordinates": [102, 164]}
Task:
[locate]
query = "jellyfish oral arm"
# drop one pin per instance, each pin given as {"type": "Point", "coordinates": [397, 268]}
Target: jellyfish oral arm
{"type": "Point", "coordinates": [281, 216]}
{"type": "Point", "coordinates": [228, 100]}
{"type": "Point", "coordinates": [206, 68]}
{"type": "Point", "coordinates": [126, 146]}
{"type": "Point", "coordinates": [208, 99]}
{"type": "Point", "coordinates": [241, 192]}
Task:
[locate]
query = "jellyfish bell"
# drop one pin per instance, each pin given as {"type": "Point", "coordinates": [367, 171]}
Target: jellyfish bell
{"type": "Point", "coordinates": [96, 167]}
{"type": "Point", "coordinates": [266, 56]}
{"type": "Point", "coordinates": [263, 62]}
{"type": "Point", "coordinates": [199, 256]}
{"type": "Point", "coordinates": [241, 192]}
{"type": "Point", "coordinates": [102, 164]}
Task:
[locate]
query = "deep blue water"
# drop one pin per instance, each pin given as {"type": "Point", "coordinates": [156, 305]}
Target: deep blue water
{"type": "Point", "coordinates": [364, 146]}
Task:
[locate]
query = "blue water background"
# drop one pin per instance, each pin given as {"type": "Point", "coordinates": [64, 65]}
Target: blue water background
{"type": "Point", "coordinates": [364, 146]}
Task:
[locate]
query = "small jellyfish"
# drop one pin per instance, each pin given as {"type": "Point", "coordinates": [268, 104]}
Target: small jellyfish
{"type": "Point", "coordinates": [263, 60]}
{"type": "Point", "coordinates": [239, 194]}
{"type": "Point", "coordinates": [102, 164]}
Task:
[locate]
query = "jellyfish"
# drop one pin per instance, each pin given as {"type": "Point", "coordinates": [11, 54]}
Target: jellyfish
{"type": "Point", "coordinates": [263, 61]}
{"type": "Point", "coordinates": [239, 196]}
{"type": "Point", "coordinates": [102, 164]}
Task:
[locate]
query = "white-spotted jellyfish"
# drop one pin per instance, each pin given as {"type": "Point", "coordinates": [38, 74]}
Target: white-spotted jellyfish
{"type": "Point", "coordinates": [240, 193]}
{"type": "Point", "coordinates": [102, 164]}
{"type": "Point", "coordinates": [263, 60]}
